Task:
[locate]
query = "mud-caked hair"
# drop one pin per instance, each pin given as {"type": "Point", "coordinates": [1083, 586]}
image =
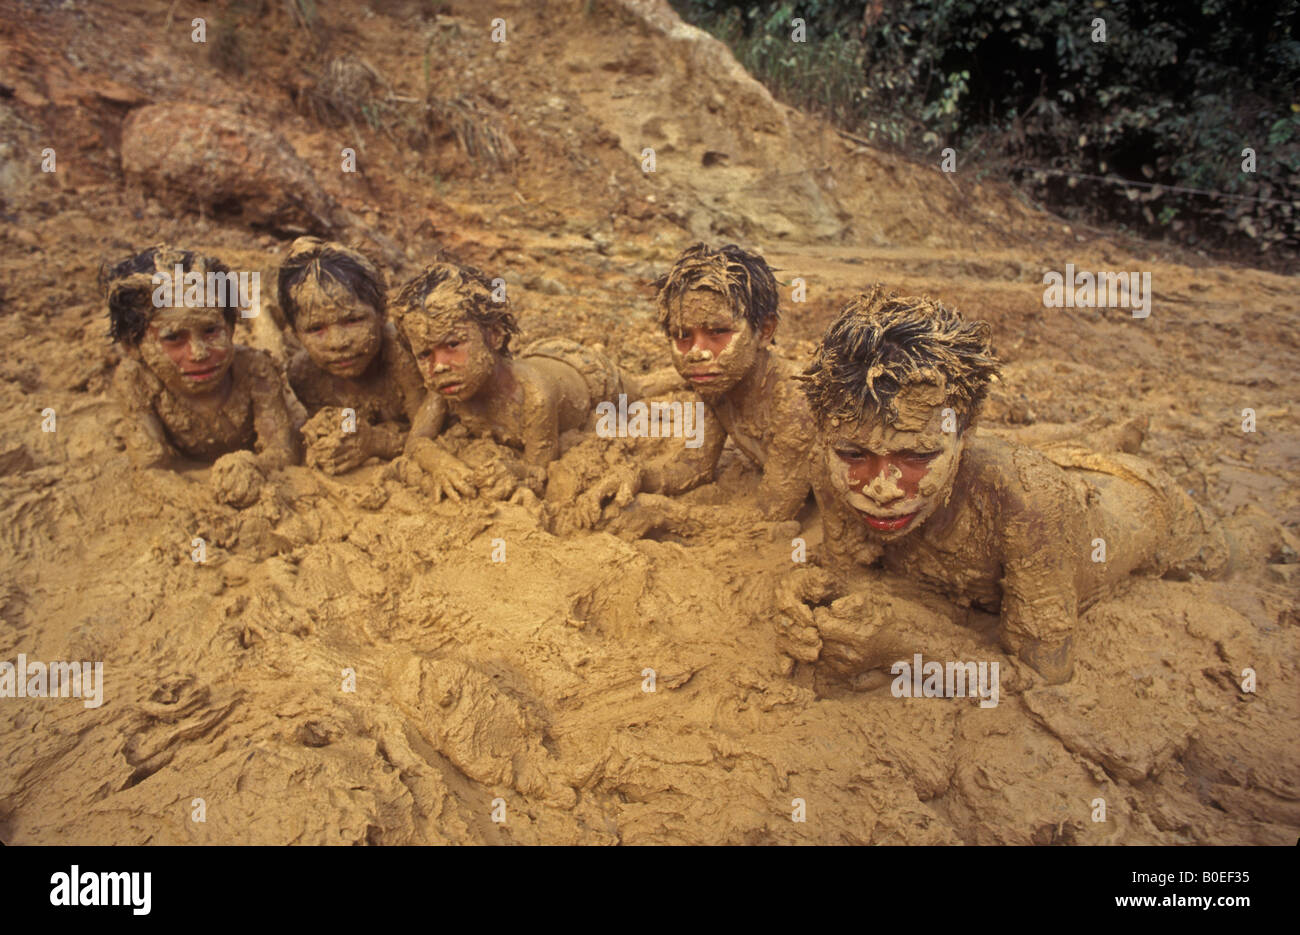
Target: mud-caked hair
{"type": "Point", "coordinates": [129, 287]}
{"type": "Point", "coordinates": [325, 261]}
{"type": "Point", "coordinates": [744, 279]}
{"type": "Point", "coordinates": [881, 342]}
{"type": "Point", "coordinates": [473, 297]}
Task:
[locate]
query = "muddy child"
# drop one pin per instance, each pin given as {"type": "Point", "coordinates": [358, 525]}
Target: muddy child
{"type": "Point", "coordinates": [460, 333]}
{"type": "Point", "coordinates": [189, 391]}
{"type": "Point", "coordinates": [719, 311]}
{"type": "Point", "coordinates": [357, 381]}
{"type": "Point", "coordinates": [901, 475]}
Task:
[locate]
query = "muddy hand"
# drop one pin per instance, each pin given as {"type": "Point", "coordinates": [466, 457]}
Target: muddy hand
{"type": "Point", "coordinates": [445, 475]}
{"type": "Point", "coordinates": [852, 641]}
{"type": "Point", "coordinates": [336, 452]}
{"type": "Point", "coordinates": [237, 479]}
{"type": "Point", "coordinates": [796, 631]}
{"type": "Point", "coordinates": [618, 488]}
{"type": "Point", "coordinates": [495, 480]}
{"type": "Point", "coordinates": [646, 513]}
{"type": "Point", "coordinates": [1053, 661]}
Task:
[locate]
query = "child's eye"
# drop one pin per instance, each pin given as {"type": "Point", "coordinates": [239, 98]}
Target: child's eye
{"type": "Point", "coordinates": [170, 337]}
{"type": "Point", "coordinates": [424, 354]}
{"type": "Point", "coordinates": [719, 331]}
{"type": "Point", "coordinates": [354, 321]}
{"type": "Point", "coordinates": [453, 344]}
{"type": "Point", "coordinates": [213, 330]}
{"type": "Point", "coordinates": [849, 454]}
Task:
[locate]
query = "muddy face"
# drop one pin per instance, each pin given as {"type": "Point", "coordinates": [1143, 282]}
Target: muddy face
{"type": "Point", "coordinates": [340, 333]}
{"type": "Point", "coordinates": [456, 356]}
{"type": "Point", "coordinates": [712, 348]}
{"type": "Point", "coordinates": [189, 349]}
{"type": "Point", "coordinates": [895, 474]}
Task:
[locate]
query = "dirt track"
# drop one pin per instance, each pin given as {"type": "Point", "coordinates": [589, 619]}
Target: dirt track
{"type": "Point", "coordinates": [522, 680]}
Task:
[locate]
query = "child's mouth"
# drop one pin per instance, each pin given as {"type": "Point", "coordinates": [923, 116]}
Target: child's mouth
{"type": "Point", "coordinates": [450, 389]}
{"type": "Point", "coordinates": [199, 376]}
{"type": "Point", "coordinates": [891, 524]}
{"type": "Point", "coordinates": [702, 377]}
{"type": "Point", "coordinates": [346, 363]}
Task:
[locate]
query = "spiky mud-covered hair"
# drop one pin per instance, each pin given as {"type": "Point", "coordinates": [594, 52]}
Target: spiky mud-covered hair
{"type": "Point", "coordinates": [472, 291]}
{"type": "Point", "coordinates": [129, 287]}
{"type": "Point", "coordinates": [325, 261]}
{"type": "Point", "coordinates": [881, 342]}
{"type": "Point", "coordinates": [743, 278]}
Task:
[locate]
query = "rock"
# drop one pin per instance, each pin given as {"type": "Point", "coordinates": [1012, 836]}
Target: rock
{"type": "Point", "coordinates": [215, 161]}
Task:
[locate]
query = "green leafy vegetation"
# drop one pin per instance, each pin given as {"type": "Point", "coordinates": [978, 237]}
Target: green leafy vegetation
{"type": "Point", "coordinates": [1028, 91]}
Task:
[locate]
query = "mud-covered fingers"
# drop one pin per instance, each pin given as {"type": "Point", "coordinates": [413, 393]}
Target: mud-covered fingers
{"type": "Point", "coordinates": [591, 504]}
{"type": "Point", "coordinates": [797, 641]}
{"type": "Point", "coordinates": [845, 658]}
{"type": "Point", "coordinates": [630, 484]}
{"type": "Point", "coordinates": [846, 648]}
{"type": "Point", "coordinates": [602, 490]}
{"type": "Point", "coordinates": [1052, 660]}
{"type": "Point", "coordinates": [631, 524]}
{"type": "Point", "coordinates": [445, 488]}
{"type": "Point", "coordinates": [462, 482]}
{"type": "Point", "coordinates": [816, 585]}
{"type": "Point", "coordinates": [796, 611]}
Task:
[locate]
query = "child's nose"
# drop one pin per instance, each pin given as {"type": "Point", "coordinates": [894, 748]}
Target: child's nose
{"type": "Point", "coordinates": [700, 345]}
{"type": "Point", "coordinates": [884, 487]}
{"type": "Point", "coordinates": [198, 348]}
{"type": "Point", "coordinates": [337, 338]}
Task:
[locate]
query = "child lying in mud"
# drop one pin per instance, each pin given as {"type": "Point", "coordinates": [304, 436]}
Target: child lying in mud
{"type": "Point", "coordinates": [188, 389]}
{"type": "Point", "coordinates": [460, 337]}
{"type": "Point", "coordinates": [333, 298]}
{"type": "Point", "coordinates": [719, 310]}
{"type": "Point", "coordinates": [894, 387]}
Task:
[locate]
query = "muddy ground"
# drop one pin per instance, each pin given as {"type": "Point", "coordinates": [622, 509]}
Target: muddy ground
{"type": "Point", "coordinates": [522, 680]}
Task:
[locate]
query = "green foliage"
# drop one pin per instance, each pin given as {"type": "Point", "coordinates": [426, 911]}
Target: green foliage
{"type": "Point", "coordinates": [821, 74]}
{"type": "Point", "coordinates": [1171, 97]}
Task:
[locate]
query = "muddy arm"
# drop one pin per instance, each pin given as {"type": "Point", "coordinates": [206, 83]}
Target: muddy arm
{"type": "Point", "coordinates": [426, 462]}
{"type": "Point", "coordinates": [276, 445]}
{"type": "Point", "coordinates": [429, 420]}
{"type": "Point", "coordinates": [146, 438]}
{"type": "Point", "coordinates": [1040, 604]}
{"type": "Point", "coordinates": [386, 440]}
{"type": "Point", "coordinates": [785, 484]}
{"type": "Point", "coordinates": [541, 435]}
{"type": "Point", "coordinates": [406, 377]}
{"type": "Point", "coordinates": [691, 466]}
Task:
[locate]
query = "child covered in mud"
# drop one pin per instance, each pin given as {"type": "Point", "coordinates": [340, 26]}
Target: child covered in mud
{"type": "Point", "coordinates": [460, 336]}
{"type": "Point", "coordinates": [351, 358]}
{"type": "Point", "coordinates": [188, 390]}
{"type": "Point", "coordinates": [719, 310]}
{"type": "Point", "coordinates": [900, 474]}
